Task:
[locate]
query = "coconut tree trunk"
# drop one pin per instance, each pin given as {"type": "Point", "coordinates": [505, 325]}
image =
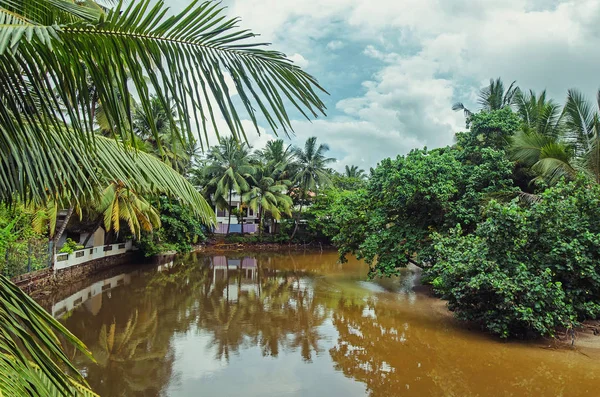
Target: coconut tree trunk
{"type": "Point", "coordinates": [297, 222]}
{"type": "Point", "coordinates": [260, 223]}
{"type": "Point", "coordinates": [59, 234]}
{"type": "Point", "coordinates": [242, 215]}
{"type": "Point", "coordinates": [229, 213]}
{"type": "Point", "coordinates": [63, 227]}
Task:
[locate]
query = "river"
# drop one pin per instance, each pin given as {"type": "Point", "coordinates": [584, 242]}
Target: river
{"type": "Point", "coordinates": [298, 324]}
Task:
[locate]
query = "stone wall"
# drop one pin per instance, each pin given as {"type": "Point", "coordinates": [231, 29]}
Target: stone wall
{"type": "Point", "coordinates": [44, 281]}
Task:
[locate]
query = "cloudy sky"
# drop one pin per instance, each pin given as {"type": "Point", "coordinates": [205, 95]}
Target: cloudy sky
{"type": "Point", "coordinates": [393, 68]}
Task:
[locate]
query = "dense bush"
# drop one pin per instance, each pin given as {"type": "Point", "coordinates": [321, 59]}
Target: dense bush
{"type": "Point", "coordinates": [339, 217]}
{"type": "Point", "coordinates": [179, 230]}
{"type": "Point", "coordinates": [526, 269]}
{"type": "Point", "coordinates": [410, 198]}
{"type": "Point", "coordinates": [70, 246]}
{"type": "Point", "coordinates": [256, 239]}
{"type": "Point", "coordinates": [21, 248]}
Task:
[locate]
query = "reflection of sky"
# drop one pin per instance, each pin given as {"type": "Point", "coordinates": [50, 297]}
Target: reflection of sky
{"type": "Point", "coordinates": [249, 373]}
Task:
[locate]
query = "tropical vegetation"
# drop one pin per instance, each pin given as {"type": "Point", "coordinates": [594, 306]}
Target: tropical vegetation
{"type": "Point", "coordinates": [75, 102]}
{"type": "Point", "coordinates": [503, 222]}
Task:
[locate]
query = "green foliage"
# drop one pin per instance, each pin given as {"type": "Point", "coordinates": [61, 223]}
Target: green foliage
{"type": "Point", "coordinates": [341, 217]}
{"type": "Point", "coordinates": [21, 248]}
{"type": "Point", "coordinates": [70, 246]}
{"type": "Point", "coordinates": [489, 129]}
{"type": "Point", "coordinates": [526, 270]}
{"type": "Point", "coordinates": [413, 196]}
{"type": "Point", "coordinates": [345, 182]}
{"type": "Point", "coordinates": [257, 239]}
{"type": "Point", "coordinates": [180, 229]}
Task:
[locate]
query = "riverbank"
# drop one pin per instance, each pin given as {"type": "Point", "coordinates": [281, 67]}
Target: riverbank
{"type": "Point", "coordinates": [221, 245]}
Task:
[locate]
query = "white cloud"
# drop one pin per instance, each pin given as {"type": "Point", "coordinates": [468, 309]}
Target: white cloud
{"type": "Point", "coordinates": [299, 60]}
{"type": "Point", "coordinates": [424, 55]}
{"type": "Point", "coordinates": [336, 45]}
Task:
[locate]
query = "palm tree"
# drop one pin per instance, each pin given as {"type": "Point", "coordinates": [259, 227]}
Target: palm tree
{"type": "Point", "coordinates": [539, 114]}
{"type": "Point", "coordinates": [229, 168]}
{"type": "Point", "coordinates": [168, 144]}
{"type": "Point", "coordinates": [118, 203]}
{"type": "Point", "coordinates": [179, 57]}
{"type": "Point", "coordinates": [491, 97]}
{"type": "Point", "coordinates": [267, 194]}
{"type": "Point", "coordinates": [49, 59]}
{"type": "Point", "coordinates": [279, 156]}
{"type": "Point", "coordinates": [311, 173]}
{"type": "Point", "coordinates": [354, 172]}
{"type": "Point", "coordinates": [275, 152]}
{"type": "Point", "coordinates": [569, 146]}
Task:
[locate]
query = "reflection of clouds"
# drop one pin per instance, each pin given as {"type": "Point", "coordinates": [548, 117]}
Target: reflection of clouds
{"type": "Point", "coordinates": [194, 358]}
{"type": "Point", "coordinates": [318, 332]}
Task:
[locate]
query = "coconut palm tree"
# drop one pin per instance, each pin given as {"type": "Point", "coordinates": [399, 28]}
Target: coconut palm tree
{"type": "Point", "coordinates": [51, 53]}
{"type": "Point", "coordinates": [267, 194]}
{"type": "Point", "coordinates": [276, 152]}
{"type": "Point", "coordinates": [229, 169]}
{"type": "Point", "coordinates": [354, 172]}
{"type": "Point", "coordinates": [181, 57]}
{"type": "Point", "coordinates": [571, 144]}
{"type": "Point", "coordinates": [118, 203]}
{"type": "Point", "coordinates": [539, 114]}
{"type": "Point", "coordinates": [311, 171]}
{"type": "Point", "coordinates": [491, 97]}
{"type": "Point", "coordinates": [168, 145]}
{"type": "Point", "coordinates": [279, 156]}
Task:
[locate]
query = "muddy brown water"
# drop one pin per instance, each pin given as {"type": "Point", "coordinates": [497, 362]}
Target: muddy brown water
{"type": "Point", "coordinates": [298, 324]}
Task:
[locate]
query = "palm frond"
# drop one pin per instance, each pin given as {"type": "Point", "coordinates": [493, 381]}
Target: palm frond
{"type": "Point", "coordinates": [72, 172]}
{"type": "Point", "coordinates": [32, 358]}
{"type": "Point", "coordinates": [186, 58]}
{"type": "Point", "coordinates": [579, 118]}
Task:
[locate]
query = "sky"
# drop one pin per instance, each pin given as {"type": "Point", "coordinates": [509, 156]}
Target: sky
{"type": "Point", "coordinates": [393, 68]}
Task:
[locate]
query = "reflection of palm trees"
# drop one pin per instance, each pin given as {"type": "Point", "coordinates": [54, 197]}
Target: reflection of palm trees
{"type": "Point", "coordinates": [130, 355]}
{"type": "Point", "coordinates": [273, 310]}
{"type": "Point", "coordinates": [305, 334]}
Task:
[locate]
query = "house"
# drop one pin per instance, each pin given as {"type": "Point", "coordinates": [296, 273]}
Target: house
{"type": "Point", "coordinates": [251, 220]}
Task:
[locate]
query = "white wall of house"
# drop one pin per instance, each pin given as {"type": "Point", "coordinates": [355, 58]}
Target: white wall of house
{"type": "Point", "coordinates": [223, 215]}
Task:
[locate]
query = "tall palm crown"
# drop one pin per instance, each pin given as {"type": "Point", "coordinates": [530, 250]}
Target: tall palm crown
{"type": "Point", "coordinates": [275, 151]}
{"type": "Point", "coordinates": [229, 169]}
{"type": "Point", "coordinates": [570, 144]}
{"type": "Point", "coordinates": [279, 157]}
{"type": "Point", "coordinates": [168, 145]}
{"type": "Point", "coordinates": [492, 97]}
{"type": "Point", "coordinates": [539, 114]}
{"type": "Point", "coordinates": [312, 166]}
{"type": "Point", "coordinates": [354, 172]}
{"type": "Point", "coordinates": [267, 194]}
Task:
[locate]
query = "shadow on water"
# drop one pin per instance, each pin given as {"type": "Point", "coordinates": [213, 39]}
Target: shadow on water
{"type": "Point", "coordinates": [295, 325]}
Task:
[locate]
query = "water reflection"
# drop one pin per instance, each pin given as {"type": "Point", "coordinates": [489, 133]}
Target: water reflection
{"type": "Point", "coordinates": [296, 325]}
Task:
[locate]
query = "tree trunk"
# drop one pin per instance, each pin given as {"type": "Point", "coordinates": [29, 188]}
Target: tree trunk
{"type": "Point", "coordinates": [242, 215]}
{"type": "Point", "coordinates": [297, 222]}
{"type": "Point", "coordinates": [59, 234]}
{"type": "Point", "coordinates": [229, 213]}
{"type": "Point", "coordinates": [260, 223]}
{"type": "Point", "coordinates": [63, 227]}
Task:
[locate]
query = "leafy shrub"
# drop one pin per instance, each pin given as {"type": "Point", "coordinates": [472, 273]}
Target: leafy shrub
{"type": "Point", "coordinates": [21, 248]}
{"type": "Point", "coordinates": [179, 230]}
{"type": "Point", "coordinates": [70, 246]}
{"type": "Point", "coordinates": [526, 270]}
